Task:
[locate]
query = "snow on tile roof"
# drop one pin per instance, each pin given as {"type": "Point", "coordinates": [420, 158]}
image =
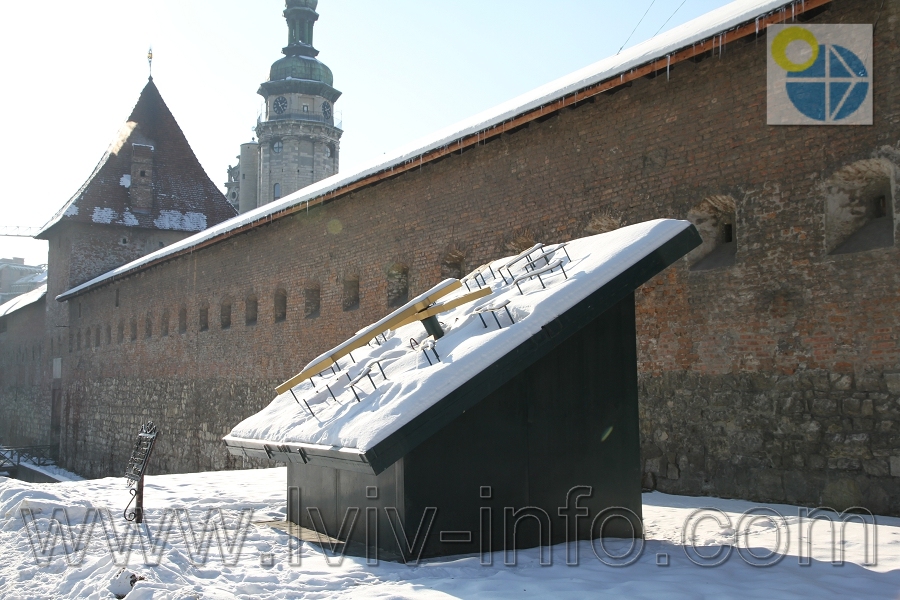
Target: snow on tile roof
{"type": "Point", "coordinates": [23, 300]}
{"type": "Point", "coordinates": [33, 278]}
{"type": "Point", "coordinates": [702, 28]}
{"type": "Point", "coordinates": [185, 198]}
{"type": "Point", "coordinates": [412, 385]}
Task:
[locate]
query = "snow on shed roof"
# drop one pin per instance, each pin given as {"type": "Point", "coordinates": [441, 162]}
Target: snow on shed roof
{"type": "Point", "coordinates": [23, 300]}
{"type": "Point", "coordinates": [371, 433]}
{"type": "Point", "coordinates": [700, 29]}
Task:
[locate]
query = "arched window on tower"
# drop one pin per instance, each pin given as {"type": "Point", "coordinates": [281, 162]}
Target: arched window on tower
{"type": "Point", "coordinates": [277, 190]}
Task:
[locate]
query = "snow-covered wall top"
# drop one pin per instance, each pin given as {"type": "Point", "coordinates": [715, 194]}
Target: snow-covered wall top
{"type": "Point", "coordinates": [23, 300]}
{"type": "Point", "coordinates": [702, 28]}
{"type": "Point", "coordinates": [326, 412]}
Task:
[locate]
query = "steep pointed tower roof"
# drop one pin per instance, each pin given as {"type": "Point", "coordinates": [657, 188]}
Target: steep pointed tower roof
{"type": "Point", "coordinates": [148, 178]}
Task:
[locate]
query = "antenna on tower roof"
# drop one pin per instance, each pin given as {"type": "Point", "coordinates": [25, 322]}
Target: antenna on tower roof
{"type": "Point", "coordinates": [150, 61]}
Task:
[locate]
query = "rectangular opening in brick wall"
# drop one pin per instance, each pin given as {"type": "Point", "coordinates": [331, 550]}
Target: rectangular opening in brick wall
{"type": "Point", "coordinates": [117, 297]}
{"type": "Point", "coordinates": [350, 296]}
{"type": "Point", "coordinates": [398, 285]}
{"type": "Point", "coordinates": [182, 320]}
{"type": "Point", "coordinates": [164, 325]}
{"type": "Point", "coordinates": [280, 307]}
{"type": "Point", "coordinates": [714, 218]}
{"type": "Point", "coordinates": [78, 340]}
{"type": "Point", "coordinates": [133, 329]}
{"type": "Point", "coordinates": [312, 297]}
{"type": "Point", "coordinates": [108, 335]}
{"type": "Point", "coordinates": [2, 325]}
{"type": "Point", "coordinates": [453, 265]}
{"type": "Point", "coordinates": [225, 314]}
{"type": "Point", "coordinates": [204, 318]}
{"type": "Point", "coordinates": [859, 207]}
{"type": "Point", "coordinates": [97, 337]}
{"type": "Point", "coordinates": [121, 334]}
{"type": "Point", "coordinates": [251, 310]}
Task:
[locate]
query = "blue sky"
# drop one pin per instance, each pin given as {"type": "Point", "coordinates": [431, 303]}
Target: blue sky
{"type": "Point", "coordinates": [72, 71]}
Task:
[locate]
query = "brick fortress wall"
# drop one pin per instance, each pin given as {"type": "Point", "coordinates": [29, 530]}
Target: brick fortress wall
{"type": "Point", "coordinates": [775, 377]}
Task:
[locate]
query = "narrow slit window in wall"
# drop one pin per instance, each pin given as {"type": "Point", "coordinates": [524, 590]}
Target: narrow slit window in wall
{"type": "Point", "coordinates": [251, 310]}
{"type": "Point", "coordinates": [350, 296]}
{"type": "Point", "coordinates": [225, 314]}
{"type": "Point", "coordinates": [280, 308]}
{"type": "Point", "coordinates": [397, 285]}
{"type": "Point", "coordinates": [312, 298]}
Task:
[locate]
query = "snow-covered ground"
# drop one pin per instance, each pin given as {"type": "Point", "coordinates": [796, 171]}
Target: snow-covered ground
{"type": "Point", "coordinates": [267, 563]}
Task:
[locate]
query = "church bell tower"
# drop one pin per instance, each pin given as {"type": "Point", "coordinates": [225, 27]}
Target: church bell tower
{"type": "Point", "coordinates": [299, 142]}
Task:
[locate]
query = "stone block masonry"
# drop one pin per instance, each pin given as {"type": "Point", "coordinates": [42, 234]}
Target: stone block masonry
{"type": "Point", "coordinates": [771, 373]}
{"type": "Point", "coordinates": [25, 411]}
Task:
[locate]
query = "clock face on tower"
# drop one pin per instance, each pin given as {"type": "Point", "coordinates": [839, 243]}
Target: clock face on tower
{"type": "Point", "coordinates": [326, 110]}
{"type": "Point", "coordinates": [280, 105]}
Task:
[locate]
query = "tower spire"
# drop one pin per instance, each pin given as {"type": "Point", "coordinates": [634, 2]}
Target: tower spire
{"type": "Point", "coordinates": [301, 17]}
{"type": "Point", "coordinates": [150, 61]}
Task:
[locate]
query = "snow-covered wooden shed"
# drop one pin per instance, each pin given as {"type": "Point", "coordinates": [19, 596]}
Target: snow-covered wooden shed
{"type": "Point", "coordinates": [509, 420]}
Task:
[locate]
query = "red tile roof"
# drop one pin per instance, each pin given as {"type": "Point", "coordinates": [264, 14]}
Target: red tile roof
{"type": "Point", "coordinates": [183, 196]}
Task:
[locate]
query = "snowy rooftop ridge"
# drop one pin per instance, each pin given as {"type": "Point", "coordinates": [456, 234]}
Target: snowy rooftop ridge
{"type": "Point", "coordinates": [329, 415]}
{"type": "Point", "coordinates": [702, 28]}
{"type": "Point", "coordinates": [23, 300]}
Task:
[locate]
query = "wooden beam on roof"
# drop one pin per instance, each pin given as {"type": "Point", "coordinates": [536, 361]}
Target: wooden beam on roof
{"type": "Point", "coordinates": [403, 315]}
{"type": "Point", "coordinates": [432, 311]}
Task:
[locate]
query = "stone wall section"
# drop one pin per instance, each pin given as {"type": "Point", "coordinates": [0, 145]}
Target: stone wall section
{"type": "Point", "coordinates": [775, 377]}
{"type": "Point", "coordinates": [24, 399]}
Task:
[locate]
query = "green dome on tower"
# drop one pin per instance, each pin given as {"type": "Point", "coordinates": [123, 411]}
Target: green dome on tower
{"type": "Point", "coordinates": [300, 67]}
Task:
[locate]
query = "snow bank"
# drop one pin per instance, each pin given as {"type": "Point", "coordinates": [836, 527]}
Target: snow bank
{"type": "Point", "coordinates": [269, 564]}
